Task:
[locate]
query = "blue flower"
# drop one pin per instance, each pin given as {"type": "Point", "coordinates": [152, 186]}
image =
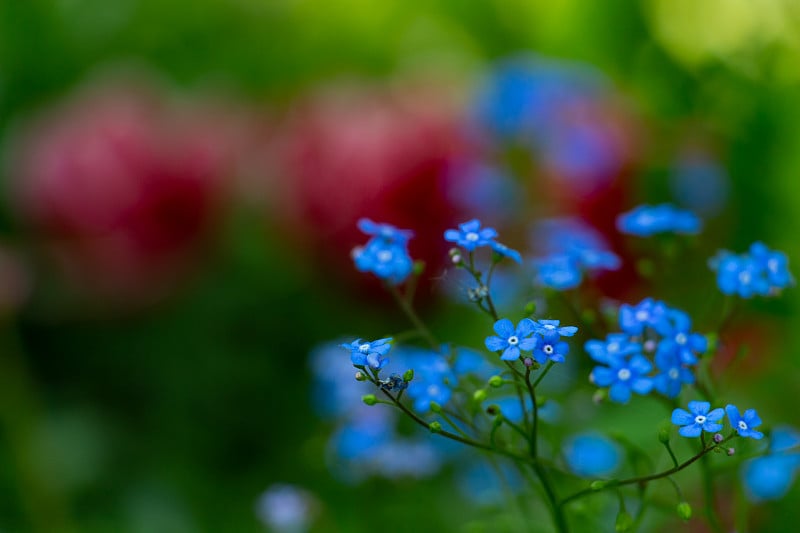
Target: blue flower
{"type": "Point", "coordinates": [762, 272]}
{"type": "Point", "coordinates": [544, 327]}
{"type": "Point", "coordinates": [679, 337]}
{"type": "Point", "coordinates": [744, 424]}
{"type": "Point", "coordinates": [512, 340]}
{"type": "Point", "coordinates": [560, 272]}
{"type": "Point", "coordinates": [394, 383]}
{"type": "Point", "coordinates": [386, 259]}
{"type": "Point", "coordinates": [505, 251]}
{"type": "Point", "coordinates": [646, 220]}
{"type": "Point", "coordinates": [770, 477]}
{"type": "Point", "coordinates": [592, 455]}
{"type": "Point", "coordinates": [469, 235]}
{"type": "Point", "coordinates": [616, 347]}
{"type": "Point", "coordinates": [672, 374]}
{"type": "Point", "coordinates": [364, 353]}
{"type": "Point", "coordinates": [550, 348]}
{"type": "Point", "coordinates": [386, 232]}
{"type": "Point", "coordinates": [647, 313]}
{"type": "Point", "coordinates": [623, 377]}
{"type": "Point", "coordinates": [698, 420]}
{"type": "Point", "coordinates": [574, 238]}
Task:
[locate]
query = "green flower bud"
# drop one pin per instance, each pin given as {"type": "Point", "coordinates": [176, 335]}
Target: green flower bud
{"type": "Point", "coordinates": [496, 381]}
{"type": "Point", "coordinates": [540, 401]}
{"type": "Point", "coordinates": [530, 308]}
{"type": "Point", "coordinates": [435, 427]}
{"type": "Point", "coordinates": [369, 399]}
{"type": "Point", "coordinates": [360, 376]}
{"type": "Point", "coordinates": [479, 395]}
{"type": "Point", "coordinates": [419, 267]}
{"type": "Point", "coordinates": [624, 522]}
{"type": "Point", "coordinates": [684, 510]}
{"type": "Point", "coordinates": [663, 435]}
{"type": "Point", "coordinates": [435, 407]}
{"type": "Point", "coordinates": [408, 375]}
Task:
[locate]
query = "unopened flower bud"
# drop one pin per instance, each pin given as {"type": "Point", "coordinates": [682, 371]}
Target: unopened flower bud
{"type": "Point", "coordinates": [408, 375]}
{"type": "Point", "coordinates": [718, 437]}
{"type": "Point", "coordinates": [600, 395]}
{"type": "Point", "coordinates": [369, 399]}
{"type": "Point", "coordinates": [527, 362]}
{"type": "Point", "coordinates": [360, 376]}
{"type": "Point", "coordinates": [455, 256]}
{"type": "Point", "coordinates": [663, 435]}
{"type": "Point", "coordinates": [530, 308]}
{"type": "Point", "coordinates": [684, 510]}
{"type": "Point", "coordinates": [495, 381]}
{"type": "Point", "coordinates": [731, 451]}
{"type": "Point", "coordinates": [435, 407]}
{"type": "Point", "coordinates": [419, 267]}
{"type": "Point", "coordinates": [479, 395]}
{"type": "Point", "coordinates": [493, 410]}
{"type": "Point", "coordinates": [435, 427]}
{"type": "Point", "coordinates": [624, 522]}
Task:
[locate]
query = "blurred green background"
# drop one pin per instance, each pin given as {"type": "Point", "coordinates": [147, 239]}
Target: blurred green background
{"type": "Point", "coordinates": [167, 395]}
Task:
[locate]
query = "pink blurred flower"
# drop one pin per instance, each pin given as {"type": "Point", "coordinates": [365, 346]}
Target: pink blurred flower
{"type": "Point", "coordinates": [383, 152]}
{"type": "Point", "coordinates": [122, 185]}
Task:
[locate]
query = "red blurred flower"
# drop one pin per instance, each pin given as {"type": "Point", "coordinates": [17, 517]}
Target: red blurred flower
{"type": "Point", "coordinates": [121, 185]}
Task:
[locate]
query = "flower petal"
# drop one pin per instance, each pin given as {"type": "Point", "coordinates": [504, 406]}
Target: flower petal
{"type": "Point", "coordinates": [504, 328]}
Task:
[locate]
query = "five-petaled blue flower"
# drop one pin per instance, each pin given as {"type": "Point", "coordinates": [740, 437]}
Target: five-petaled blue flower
{"type": "Point", "coordinates": [386, 253]}
{"type": "Point", "coordinates": [679, 337]}
{"type": "Point", "coordinates": [512, 340]}
{"type": "Point", "coordinates": [550, 348]}
{"type": "Point", "coordinates": [646, 220]}
{"type": "Point", "coordinates": [697, 419]}
{"type": "Point", "coordinates": [633, 319]}
{"type": "Point", "coordinates": [558, 271]}
{"type": "Point", "coordinates": [744, 424]}
{"type": "Point", "coordinates": [762, 272]}
{"type": "Point", "coordinates": [672, 374]}
{"type": "Point", "coordinates": [371, 354]}
{"type": "Point", "coordinates": [623, 377]}
{"type": "Point", "coordinates": [470, 235]}
{"type": "Point", "coordinates": [387, 232]}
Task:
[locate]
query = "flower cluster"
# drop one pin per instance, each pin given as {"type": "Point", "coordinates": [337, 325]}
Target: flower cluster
{"type": "Point", "coordinates": [547, 346]}
{"type": "Point", "coordinates": [761, 272]}
{"type": "Point", "coordinates": [572, 248]}
{"type": "Point", "coordinates": [386, 253]}
{"type": "Point", "coordinates": [647, 220]}
{"type": "Point", "coordinates": [700, 417]}
{"type": "Point", "coordinates": [650, 328]}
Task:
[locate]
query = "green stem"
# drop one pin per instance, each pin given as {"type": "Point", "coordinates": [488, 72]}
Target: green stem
{"type": "Point", "coordinates": [540, 377]}
{"type": "Point", "coordinates": [642, 479]}
{"type": "Point", "coordinates": [671, 454]}
{"type": "Point", "coordinates": [555, 509]}
{"type": "Point", "coordinates": [413, 317]}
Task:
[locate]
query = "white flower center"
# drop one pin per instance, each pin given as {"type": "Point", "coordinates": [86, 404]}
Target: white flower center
{"type": "Point", "coordinates": [472, 236]}
{"type": "Point", "coordinates": [548, 349]}
{"type": "Point", "coordinates": [744, 277]}
{"type": "Point", "coordinates": [700, 419]}
{"type": "Point", "coordinates": [673, 373]}
{"type": "Point", "coordinates": [433, 390]}
{"type": "Point", "coordinates": [742, 425]}
{"type": "Point", "coordinates": [513, 340]}
{"type": "Point", "coordinates": [650, 345]}
{"type": "Point", "coordinates": [549, 326]}
{"type": "Point", "coordinates": [681, 338]}
{"type": "Point", "coordinates": [364, 348]}
{"type": "Point", "coordinates": [384, 256]}
{"type": "Point", "coordinates": [612, 347]}
{"type": "Point", "coordinates": [772, 265]}
{"type": "Point", "coordinates": [641, 315]}
{"type": "Point", "coordinates": [624, 374]}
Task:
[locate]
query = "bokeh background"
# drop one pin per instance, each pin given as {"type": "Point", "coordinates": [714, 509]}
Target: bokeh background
{"type": "Point", "coordinates": [181, 182]}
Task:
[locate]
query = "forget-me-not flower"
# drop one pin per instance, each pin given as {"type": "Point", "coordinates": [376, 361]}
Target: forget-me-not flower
{"type": "Point", "coordinates": [624, 377]}
{"type": "Point", "coordinates": [672, 374]}
{"type": "Point", "coordinates": [550, 348]}
{"type": "Point", "coordinates": [744, 423]}
{"type": "Point", "coordinates": [512, 340]}
{"type": "Point", "coordinates": [366, 353]}
{"type": "Point", "coordinates": [470, 235]}
{"type": "Point", "coordinates": [699, 418]}
{"type": "Point", "coordinates": [646, 220]}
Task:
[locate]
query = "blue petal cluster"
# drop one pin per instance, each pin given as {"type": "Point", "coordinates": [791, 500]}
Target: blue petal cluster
{"type": "Point", "coordinates": [512, 341]}
{"type": "Point", "coordinates": [647, 220]}
{"type": "Point", "coordinates": [697, 419]}
{"type": "Point", "coordinates": [471, 236]}
{"type": "Point", "coordinates": [572, 248]}
{"type": "Point", "coordinates": [744, 423]}
{"type": "Point", "coordinates": [761, 272]}
{"type": "Point", "coordinates": [386, 253]}
{"type": "Point", "coordinates": [770, 477]}
{"type": "Point", "coordinates": [371, 354]}
{"type": "Point", "coordinates": [655, 350]}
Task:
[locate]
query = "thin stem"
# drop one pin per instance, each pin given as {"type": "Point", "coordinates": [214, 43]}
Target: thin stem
{"type": "Point", "coordinates": [535, 410]}
{"type": "Point", "coordinates": [447, 419]}
{"type": "Point", "coordinates": [518, 429]}
{"type": "Point", "coordinates": [642, 479]}
{"type": "Point", "coordinates": [540, 377]}
{"type": "Point", "coordinates": [556, 510]}
{"type": "Point", "coordinates": [519, 386]}
{"type": "Point", "coordinates": [671, 454]}
{"type": "Point", "coordinates": [413, 316]}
